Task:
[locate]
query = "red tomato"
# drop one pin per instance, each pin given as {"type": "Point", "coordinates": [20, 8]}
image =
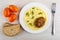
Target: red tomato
{"type": "Point", "coordinates": [12, 17]}
{"type": "Point", "coordinates": [7, 12]}
{"type": "Point", "coordinates": [13, 8]}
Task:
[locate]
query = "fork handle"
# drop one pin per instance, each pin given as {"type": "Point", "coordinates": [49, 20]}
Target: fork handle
{"type": "Point", "coordinates": [53, 27]}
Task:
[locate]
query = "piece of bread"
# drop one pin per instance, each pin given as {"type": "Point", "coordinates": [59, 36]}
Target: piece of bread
{"type": "Point", "coordinates": [11, 29]}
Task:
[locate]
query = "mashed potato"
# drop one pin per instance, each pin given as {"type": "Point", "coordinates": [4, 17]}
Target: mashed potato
{"type": "Point", "coordinates": [31, 14]}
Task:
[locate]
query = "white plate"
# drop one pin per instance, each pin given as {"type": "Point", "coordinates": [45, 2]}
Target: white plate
{"type": "Point", "coordinates": [21, 16]}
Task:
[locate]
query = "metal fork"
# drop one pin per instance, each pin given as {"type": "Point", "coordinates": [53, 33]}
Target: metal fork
{"type": "Point", "coordinates": [53, 10]}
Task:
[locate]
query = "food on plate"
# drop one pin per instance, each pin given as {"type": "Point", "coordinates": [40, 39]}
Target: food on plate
{"type": "Point", "coordinates": [10, 12]}
{"type": "Point", "coordinates": [39, 22]}
{"type": "Point", "coordinates": [12, 18]}
{"type": "Point", "coordinates": [13, 8]}
{"type": "Point", "coordinates": [11, 29]}
{"type": "Point", "coordinates": [34, 14]}
{"type": "Point", "coordinates": [7, 12]}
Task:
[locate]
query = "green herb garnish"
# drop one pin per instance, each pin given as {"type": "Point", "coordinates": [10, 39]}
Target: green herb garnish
{"type": "Point", "coordinates": [27, 14]}
{"type": "Point", "coordinates": [32, 13]}
{"type": "Point", "coordinates": [27, 21]}
{"type": "Point", "coordinates": [32, 17]}
{"type": "Point", "coordinates": [39, 13]}
{"type": "Point", "coordinates": [33, 8]}
{"type": "Point", "coordinates": [30, 24]}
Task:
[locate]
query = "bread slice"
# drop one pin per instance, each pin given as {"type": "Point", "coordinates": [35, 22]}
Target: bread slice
{"type": "Point", "coordinates": [11, 29]}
